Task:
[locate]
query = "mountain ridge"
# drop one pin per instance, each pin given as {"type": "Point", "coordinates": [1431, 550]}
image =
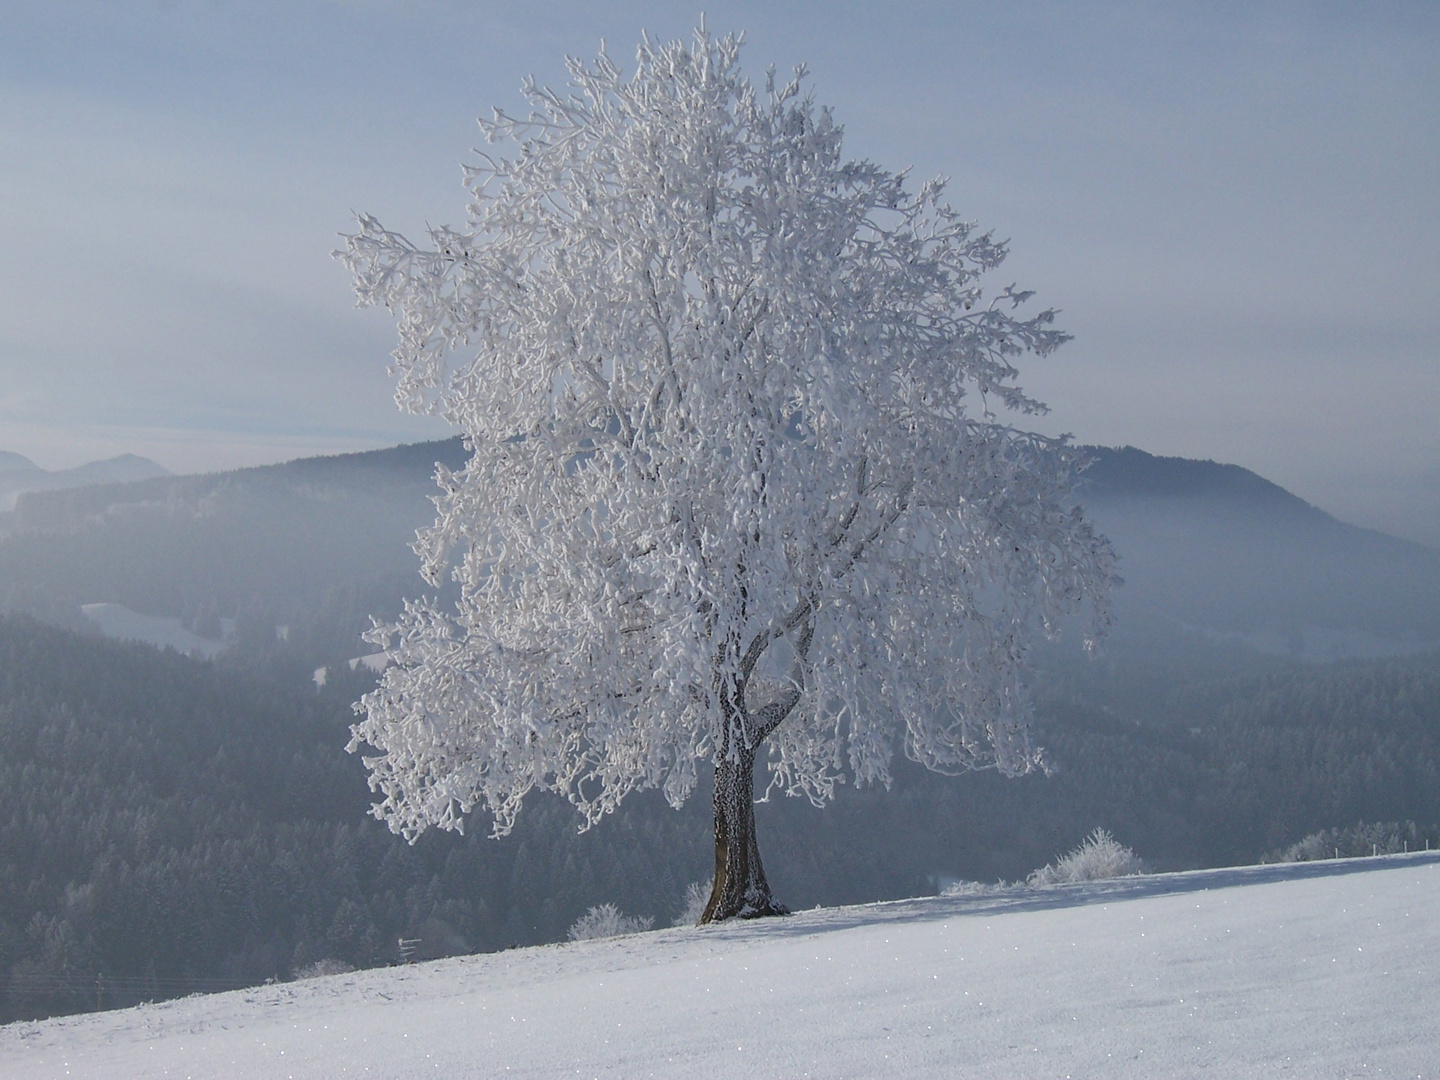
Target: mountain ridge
{"type": "Point", "coordinates": [20, 476]}
{"type": "Point", "coordinates": [1206, 547]}
{"type": "Point", "coordinates": [1128, 470]}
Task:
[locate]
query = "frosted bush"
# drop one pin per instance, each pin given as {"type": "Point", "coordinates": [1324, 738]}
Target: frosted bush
{"type": "Point", "coordinates": [697, 895]}
{"type": "Point", "coordinates": [606, 921]}
{"type": "Point", "coordinates": [1320, 845]}
{"type": "Point", "coordinates": [328, 966]}
{"type": "Point", "coordinates": [1098, 858]}
{"type": "Point", "coordinates": [976, 888]}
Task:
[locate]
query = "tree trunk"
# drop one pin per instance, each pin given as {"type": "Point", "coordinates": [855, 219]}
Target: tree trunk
{"type": "Point", "coordinates": [740, 889]}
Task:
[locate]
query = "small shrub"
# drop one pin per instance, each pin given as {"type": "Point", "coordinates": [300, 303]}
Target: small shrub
{"type": "Point", "coordinates": [1098, 858]}
{"type": "Point", "coordinates": [606, 921]}
{"type": "Point", "coordinates": [697, 895]}
{"type": "Point", "coordinates": [328, 966]}
{"type": "Point", "coordinates": [977, 888]}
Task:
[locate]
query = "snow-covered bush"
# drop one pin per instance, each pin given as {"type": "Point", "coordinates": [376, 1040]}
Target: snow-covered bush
{"type": "Point", "coordinates": [1099, 857]}
{"type": "Point", "coordinates": [977, 888]}
{"type": "Point", "coordinates": [1319, 845]}
{"type": "Point", "coordinates": [606, 921]}
{"type": "Point", "coordinates": [328, 966]}
{"type": "Point", "coordinates": [697, 895]}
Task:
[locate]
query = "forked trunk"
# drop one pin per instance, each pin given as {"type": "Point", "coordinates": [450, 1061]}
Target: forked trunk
{"type": "Point", "coordinates": [740, 889]}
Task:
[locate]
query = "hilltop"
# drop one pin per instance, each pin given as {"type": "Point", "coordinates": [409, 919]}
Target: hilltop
{"type": "Point", "coordinates": [1315, 969]}
{"type": "Point", "coordinates": [19, 475]}
{"type": "Point", "coordinates": [1225, 552]}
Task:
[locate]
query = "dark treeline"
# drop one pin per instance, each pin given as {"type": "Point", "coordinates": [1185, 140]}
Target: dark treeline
{"type": "Point", "coordinates": [171, 826]}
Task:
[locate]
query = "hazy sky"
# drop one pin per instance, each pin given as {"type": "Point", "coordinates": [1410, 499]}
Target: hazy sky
{"type": "Point", "coordinates": [1235, 205]}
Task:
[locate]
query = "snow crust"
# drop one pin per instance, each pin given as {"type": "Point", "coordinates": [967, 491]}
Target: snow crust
{"type": "Point", "coordinates": [1315, 970]}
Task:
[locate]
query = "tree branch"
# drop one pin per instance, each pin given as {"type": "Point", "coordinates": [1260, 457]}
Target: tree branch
{"type": "Point", "coordinates": [771, 716]}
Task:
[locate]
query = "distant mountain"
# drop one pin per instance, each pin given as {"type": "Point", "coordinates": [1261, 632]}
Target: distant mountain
{"type": "Point", "coordinates": [300, 554]}
{"type": "Point", "coordinates": [18, 475]}
{"type": "Point", "coordinates": [1218, 549]}
{"type": "Point", "coordinates": [16, 463]}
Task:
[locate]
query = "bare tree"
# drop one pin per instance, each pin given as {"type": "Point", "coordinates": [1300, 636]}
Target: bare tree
{"type": "Point", "coordinates": [727, 493]}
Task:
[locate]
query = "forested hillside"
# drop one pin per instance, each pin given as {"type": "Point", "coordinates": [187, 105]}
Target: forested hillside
{"type": "Point", "coordinates": [173, 825]}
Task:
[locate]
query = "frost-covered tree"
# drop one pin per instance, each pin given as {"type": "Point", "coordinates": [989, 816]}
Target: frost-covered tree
{"type": "Point", "coordinates": [729, 492]}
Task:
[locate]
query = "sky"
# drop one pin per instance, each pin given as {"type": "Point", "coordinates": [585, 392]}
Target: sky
{"type": "Point", "coordinates": [1233, 206]}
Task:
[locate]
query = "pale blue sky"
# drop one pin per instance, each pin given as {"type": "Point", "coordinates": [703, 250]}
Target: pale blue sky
{"type": "Point", "coordinates": [1234, 205]}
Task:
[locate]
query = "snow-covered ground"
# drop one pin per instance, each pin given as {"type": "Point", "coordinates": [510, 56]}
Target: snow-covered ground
{"type": "Point", "coordinates": [1310, 970]}
{"type": "Point", "coordinates": [119, 622]}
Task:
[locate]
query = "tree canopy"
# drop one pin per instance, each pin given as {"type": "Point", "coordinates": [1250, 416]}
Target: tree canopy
{"type": "Point", "coordinates": [738, 478]}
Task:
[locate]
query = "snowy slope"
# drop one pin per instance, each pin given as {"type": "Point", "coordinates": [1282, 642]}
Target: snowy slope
{"type": "Point", "coordinates": [1310, 970]}
{"type": "Point", "coordinates": [119, 622]}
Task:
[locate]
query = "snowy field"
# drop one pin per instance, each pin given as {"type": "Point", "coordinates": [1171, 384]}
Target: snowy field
{"type": "Point", "coordinates": [1310, 970]}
